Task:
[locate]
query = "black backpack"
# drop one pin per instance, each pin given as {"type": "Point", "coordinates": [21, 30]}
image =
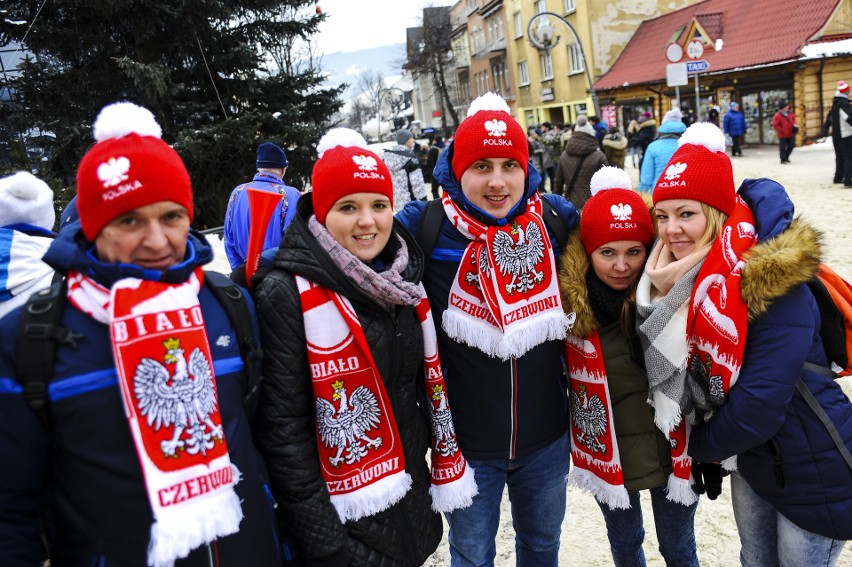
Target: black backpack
{"type": "Point", "coordinates": [40, 332]}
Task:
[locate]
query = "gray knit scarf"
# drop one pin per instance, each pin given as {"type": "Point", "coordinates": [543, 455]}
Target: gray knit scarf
{"type": "Point", "coordinates": [388, 288]}
{"type": "Point", "coordinates": [662, 330]}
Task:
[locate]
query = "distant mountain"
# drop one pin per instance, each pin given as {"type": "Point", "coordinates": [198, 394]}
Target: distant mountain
{"type": "Point", "coordinates": [345, 67]}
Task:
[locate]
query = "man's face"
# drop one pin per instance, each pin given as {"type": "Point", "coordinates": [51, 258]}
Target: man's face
{"type": "Point", "coordinates": [410, 143]}
{"type": "Point", "coordinates": [494, 185]}
{"type": "Point", "coordinates": [152, 237]}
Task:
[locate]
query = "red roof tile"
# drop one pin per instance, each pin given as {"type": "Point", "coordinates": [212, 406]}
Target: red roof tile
{"type": "Point", "coordinates": [755, 32]}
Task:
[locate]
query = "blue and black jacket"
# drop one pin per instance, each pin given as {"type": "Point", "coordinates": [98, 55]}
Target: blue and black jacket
{"type": "Point", "coordinates": [501, 408]}
{"type": "Point", "coordinates": [80, 478]}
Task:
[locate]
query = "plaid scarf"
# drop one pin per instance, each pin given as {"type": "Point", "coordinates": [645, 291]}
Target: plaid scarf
{"type": "Point", "coordinates": [360, 450]}
{"type": "Point", "coordinates": [165, 373]}
{"type": "Point", "coordinates": [505, 297]}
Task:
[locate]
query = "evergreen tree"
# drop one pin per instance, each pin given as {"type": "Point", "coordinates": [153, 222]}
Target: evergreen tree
{"type": "Point", "coordinates": [220, 76]}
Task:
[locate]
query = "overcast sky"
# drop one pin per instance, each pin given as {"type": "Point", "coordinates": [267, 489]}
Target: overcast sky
{"type": "Point", "coordinates": [360, 24]}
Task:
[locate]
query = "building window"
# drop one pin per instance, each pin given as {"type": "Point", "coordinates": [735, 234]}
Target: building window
{"type": "Point", "coordinates": [540, 6]}
{"type": "Point", "coordinates": [570, 6]}
{"type": "Point", "coordinates": [464, 87]}
{"type": "Point", "coordinates": [519, 25]}
{"type": "Point", "coordinates": [575, 58]}
{"type": "Point", "coordinates": [523, 73]}
{"type": "Point", "coordinates": [546, 66]}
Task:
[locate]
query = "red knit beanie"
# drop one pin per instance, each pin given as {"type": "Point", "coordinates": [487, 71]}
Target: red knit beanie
{"type": "Point", "coordinates": [699, 170]}
{"type": "Point", "coordinates": [345, 166]}
{"type": "Point", "coordinates": [129, 167]}
{"type": "Point", "coordinates": [614, 212]}
{"type": "Point", "coordinates": [489, 131]}
{"type": "Point", "coordinates": [843, 87]}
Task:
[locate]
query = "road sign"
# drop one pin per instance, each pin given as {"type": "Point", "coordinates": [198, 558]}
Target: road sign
{"type": "Point", "coordinates": [697, 66]}
{"type": "Point", "coordinates": [676, 75]}
{"type": "Point", "coordinates": [695, 49]}
{"type": "Point", "coordinates": [674, 52]}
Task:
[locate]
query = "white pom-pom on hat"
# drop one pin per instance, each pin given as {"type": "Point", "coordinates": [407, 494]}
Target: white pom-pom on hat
{"type": "Point", "coordinates": [344, 137]}
{"type": "Point", "coordinates": [26, 199]}
{"type": "Point", "coordinates": [704, 134]}
{"type": "Point", "coordinates": [122, 118]}
{"type": "Point", "coordinates": [609, 177]}
{"type": "Point", "coordinates": [488, 101]}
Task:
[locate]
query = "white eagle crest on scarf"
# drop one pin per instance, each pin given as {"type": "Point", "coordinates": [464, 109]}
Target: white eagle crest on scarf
{"type": "Point", "coordinates": [442, 424]}
{"type": "Point", "coordinates": [346, 427]}
{"type": "Point", "coordinates": [520, 258]}
{"type": "Point", "coordinates": [590, 417]}
{"type": "Point", "coordinates": [185, 399]}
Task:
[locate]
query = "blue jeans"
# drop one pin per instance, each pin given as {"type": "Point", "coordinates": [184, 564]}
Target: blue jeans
{"type": "Point", "coordinates": [768, 539]}
{"type": "Point", "coordinates": [675, 531]}
{"type": "Point", "coordinates": [537, 492]}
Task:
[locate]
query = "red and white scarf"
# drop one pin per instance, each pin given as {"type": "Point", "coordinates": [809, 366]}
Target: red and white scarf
{"type": "Point", "coordinates": [165, 372]}
{"type": "Point", "coordinates": [505, 297]}
{"type": "Point", "coordinates": [718, 317]}
{"type": "Point", "coordinates": [594, 447]}
{"type": "Point", "coordinates": [360, 448]}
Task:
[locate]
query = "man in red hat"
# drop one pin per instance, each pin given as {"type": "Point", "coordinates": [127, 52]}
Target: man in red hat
{"type": "Point", "coordinates": [491, 281]}
{"type": "Point", "coordinates": [139, 452]}
{"type": "Point", "coordinates": [839, 121]}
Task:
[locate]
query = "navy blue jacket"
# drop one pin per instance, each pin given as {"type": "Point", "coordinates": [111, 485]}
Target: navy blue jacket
{"type": "Point", "coordinates": [764, 412]}
{"type": "Point", "coordinates": [85, 471]}
{"type": "Point", "coordinates": [501, 408]}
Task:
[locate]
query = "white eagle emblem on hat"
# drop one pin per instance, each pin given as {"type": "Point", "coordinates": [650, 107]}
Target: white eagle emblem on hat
{"type": "Point", "coordinates": [621, 212]}
{"type": "Point", "coordinates": [113, 171]}
{"type": "Point", "coordinates": [365, 163]}
{"type": "Point", "coordinates": [495, 127]}
{"type": "Point", "coordinates": [674, 170]}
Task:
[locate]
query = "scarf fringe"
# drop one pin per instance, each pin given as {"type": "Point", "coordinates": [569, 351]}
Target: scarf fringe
{"type": "Point", "coordinates": [730, 464]}
{"type": "Point", "coordinates": [505, 345]}
{"type": "Point", "coordinates": [667, 413]}
{"type": "Point", "coordinates": [455, 495]}
{"type": "Point", "coordinates": [183, 530]}
{"type": "Point", "coordinates": [373, 498]}
{"type": "Point", "coordinates": [679, 490]}
{"type": "Point", "coordinates": [616, 497]}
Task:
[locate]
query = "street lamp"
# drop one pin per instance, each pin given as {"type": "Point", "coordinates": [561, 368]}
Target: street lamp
{"type": "Point", "coordinates": [542, 39]}
{"type": "Point", "coordinates": [379, 95]}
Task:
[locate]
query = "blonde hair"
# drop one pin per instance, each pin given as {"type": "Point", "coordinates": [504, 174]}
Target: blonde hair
{"type": "Point", "coordinates": [715, 221]}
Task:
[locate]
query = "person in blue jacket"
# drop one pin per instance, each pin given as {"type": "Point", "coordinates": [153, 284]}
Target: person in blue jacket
{"type": "Point", "coordinates": [144, 453]}
{"type": "Point", "coordinates": [501, 357]}
{"type": "Point", "coordinates": [735, 126]}
{"type": "Point", "coordinates": [741, 263]}
{"type": "Point", "coordinates": [271, 166]}
{"type": "Point", "coordinates": [660, 150]}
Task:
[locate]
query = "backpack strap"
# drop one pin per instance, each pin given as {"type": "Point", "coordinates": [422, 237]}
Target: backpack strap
{"type": "Point", "coordinates": [39, 334]}
{"type": "Point", "coordinates": [234, 302]}
{"type": "Point", "coordinates": [554, 223]}
{"type": "Point", "coordinates": [430, 228]}
{"type": "Point", "coordinates": [826, 421]}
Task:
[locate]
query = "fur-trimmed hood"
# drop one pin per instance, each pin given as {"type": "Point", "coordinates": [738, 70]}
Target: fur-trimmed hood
{"type": "Point", "coordinates": [788, 253]}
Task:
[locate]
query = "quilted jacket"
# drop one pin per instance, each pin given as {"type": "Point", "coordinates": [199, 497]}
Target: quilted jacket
{"type": "Point", "coordinates": [784, 451]}
{"type": "Point", "coordinates": [406, 533]}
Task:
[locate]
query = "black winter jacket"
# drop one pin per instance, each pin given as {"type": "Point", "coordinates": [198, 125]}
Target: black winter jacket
{"type": "Point", "coordinates": [406, 533]}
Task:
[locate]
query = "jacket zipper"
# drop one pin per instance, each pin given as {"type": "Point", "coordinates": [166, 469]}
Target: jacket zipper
{"type": "Point", "coordinates": [513, 376]}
